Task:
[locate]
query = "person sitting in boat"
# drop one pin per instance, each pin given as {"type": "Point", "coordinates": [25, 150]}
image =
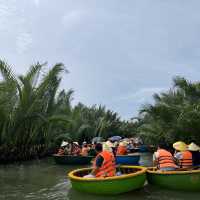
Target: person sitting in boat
{"type": "Point", "coordinates": [61, 150]}
{"type": "Point", "coordinates": [91, 151]}
{"type": "Point", "coordinates": [163, 159]}
{"type": "Point", "coordinates": [76, 150]}
{"type": "Point", "coordinates": [104, 163]}
{"type": "Point", "coordinates": [122, 149]}
{"type": "Point", "coordinates": [194, 149]}
{"type": "Point", "coordinates": [84, 150]}
{"type": "Point", "coordinates": [182, 155]}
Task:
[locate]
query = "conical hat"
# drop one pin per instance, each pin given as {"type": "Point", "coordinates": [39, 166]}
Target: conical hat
{"type": "Point", "coordinates": [106, 147]}
{"type": "Point", "coordinates": [180, 146]}
{"type": "Point", "coordinates": [63, 144]}
{"type": "Point", "coordinates": [193, 147]}
{"type": "Point", "coordinates": [124, 144]}
{"type": "Point", "coordinates": [110, 144]}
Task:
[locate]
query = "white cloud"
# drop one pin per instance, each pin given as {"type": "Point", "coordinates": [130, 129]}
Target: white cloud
{"type": "Point", "coordinates": [23, 42]}
{"type": "Point", "coordinates": [72, 18]}
{"type": "Point", "coordinates": [142, 95]}
{"type": "Point", "coordinates": [36, 2]}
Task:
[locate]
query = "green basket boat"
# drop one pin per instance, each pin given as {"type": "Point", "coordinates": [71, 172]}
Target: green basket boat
{"type": "Point", "coordinates": [176, 180]}
{"type": "Point", "coordinates": [132, 178]}
{"type": "Point", "coordinates": [72, 160]}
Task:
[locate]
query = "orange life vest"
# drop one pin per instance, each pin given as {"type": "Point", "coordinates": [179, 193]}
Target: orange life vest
{"type": "Point", "coordinates": [108, 166]}
{"type": "Point", "coordinates": [84, 151]}
{"type": "Point", "coordinates": [61, 151]}
{"type": "Point", "coordinates": [165, 159]}
{"type": "Point", "coordinates": [121, 150]}
{"type": "Point", "coordinates": [186, 161]}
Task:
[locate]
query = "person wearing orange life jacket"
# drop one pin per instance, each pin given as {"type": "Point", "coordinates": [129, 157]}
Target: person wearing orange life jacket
{"type": "Point", "coordinates": [61, 151]}
{"type": "Point", "coordinates": [183, 155]}
{"type": "Point", "coordinates": [121, 149]}
{"type": "Point", "coordinates": [104, 164]}
{"type": "Point", "coordinates": [163, 159]}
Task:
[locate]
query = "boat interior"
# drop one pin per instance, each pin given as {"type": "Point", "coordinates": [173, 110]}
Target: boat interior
{"type": "Point", "coordinates": [122, 170]}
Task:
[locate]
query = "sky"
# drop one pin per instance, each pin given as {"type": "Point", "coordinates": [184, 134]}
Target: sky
{"type": "Point", "coordinates": [119, 53]}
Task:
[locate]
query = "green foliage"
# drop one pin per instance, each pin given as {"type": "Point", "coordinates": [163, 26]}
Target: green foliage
{"type": "Point", "coordinates": [35, 117]}
{"type": "Point", "coordinates": [174, 116]}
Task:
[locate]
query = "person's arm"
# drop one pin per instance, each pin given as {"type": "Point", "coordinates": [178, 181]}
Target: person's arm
{"type": "Point", "coordinates": [177, 157]}
{"type": "Point", "coordinates": [155, 159]}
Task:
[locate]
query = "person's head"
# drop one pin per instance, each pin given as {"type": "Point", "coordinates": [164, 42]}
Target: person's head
{"type": "Point", "coordinates": [98, 147]}
{"type": "Point", "coordinates": [162, 145]}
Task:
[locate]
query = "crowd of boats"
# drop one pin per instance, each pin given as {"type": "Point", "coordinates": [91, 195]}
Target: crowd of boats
{"type": "Point", "coordinates": [115, 167]}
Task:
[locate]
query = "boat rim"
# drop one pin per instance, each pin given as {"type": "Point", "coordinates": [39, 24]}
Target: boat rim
{"type": "Point", "coordinates": [150, 171]}
{"type": "Point", "coordinates": [129, 155]}
{"type": "Point", "coordinates": [56, 155]}
{"type": "Point", "coordinates": [73, 177]}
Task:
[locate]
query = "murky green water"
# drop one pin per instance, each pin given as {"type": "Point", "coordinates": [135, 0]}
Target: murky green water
{"type": "Point", "coordinates": [45, 180]}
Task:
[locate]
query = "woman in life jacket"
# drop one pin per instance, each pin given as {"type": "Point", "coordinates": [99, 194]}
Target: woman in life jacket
{"type": "Point", "coordinates": [163, 159]}
{"type": "Point", "coordinates": [182, 155]}
{"type": "Point", "coordinates": [122, 149]}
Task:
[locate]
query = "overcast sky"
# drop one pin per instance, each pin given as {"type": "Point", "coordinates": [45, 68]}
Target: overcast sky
{"type": "Point", "coordinates": [118, 52]}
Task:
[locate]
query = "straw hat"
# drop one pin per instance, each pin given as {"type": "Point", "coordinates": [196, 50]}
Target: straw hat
{"type": "Point", "coordinates": [63, 144]}
{"type": "Point", "coordinates": [110, 144]}
{"type": "Point", "coordinates": [180, 146]}
{"type": "Point", "coordinates": [193, 147]}
{"type": "Point", "coordinates": [124, 144]}
{"type": "Point", "coordinates": [106, 147]}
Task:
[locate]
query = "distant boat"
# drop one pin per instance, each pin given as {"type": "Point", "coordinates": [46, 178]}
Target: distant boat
{"type": "Point", "coordinates": [72, 160]}
{"type": "Point", "coordinates": [128, 159]}
{"type": "Point", "coordinates": [188, 180]}
{"type": "Point", "coordinates": [132, 178]}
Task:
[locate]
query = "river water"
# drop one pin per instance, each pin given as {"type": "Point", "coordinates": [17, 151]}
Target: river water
{"type": "Point", "coordinates": [43, 179]}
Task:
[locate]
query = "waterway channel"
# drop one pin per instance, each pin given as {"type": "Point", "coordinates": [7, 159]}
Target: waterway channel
{"type": "Point", "coordinates": [44, 180]}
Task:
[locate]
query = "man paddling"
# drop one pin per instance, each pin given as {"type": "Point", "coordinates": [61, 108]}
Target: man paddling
{"type": "Point", "coordinates": [104, 163]}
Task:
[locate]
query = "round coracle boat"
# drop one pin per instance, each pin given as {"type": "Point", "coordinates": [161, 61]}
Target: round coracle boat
{"type": "Point", "coordinates": [72, 160]}
{"type": "Point", "coordinates": [128, 159]}
{"type": "Point", "coordinates": [188, 180]}
{"type": "Point", "coordinates": [133, 177]}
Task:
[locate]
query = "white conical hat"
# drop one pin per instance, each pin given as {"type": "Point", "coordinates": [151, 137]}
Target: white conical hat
{"type": "Point", "coordinates": [63, 144]}
{"type": "Point", "coordinates": [110, 144]}
{"type": "Point", "coordinates": [193, 147]}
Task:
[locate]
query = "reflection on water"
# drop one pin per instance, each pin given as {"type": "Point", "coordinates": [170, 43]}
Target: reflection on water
{"type": "Point", "coordinates": [42, 180]}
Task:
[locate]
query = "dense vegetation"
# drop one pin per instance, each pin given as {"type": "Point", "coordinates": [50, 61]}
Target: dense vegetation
{"type": "Point", "coordinates": [35, 116]}
{"type": "Point", "coordinates": [175, 115]}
